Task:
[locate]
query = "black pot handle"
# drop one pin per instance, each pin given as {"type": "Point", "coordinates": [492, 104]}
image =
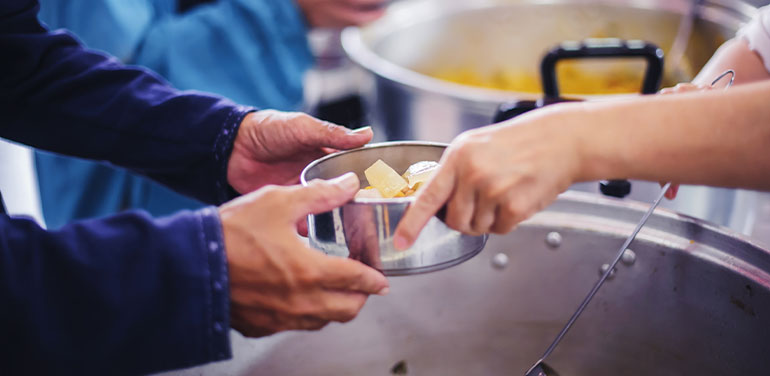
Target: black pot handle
{"type": "Point", "coordinates": [603, 48]}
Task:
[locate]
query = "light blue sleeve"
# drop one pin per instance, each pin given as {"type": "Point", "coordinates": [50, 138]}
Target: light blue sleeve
{"type": "Point", "coordinates": [254, 52]}
{"type": "Point", "coordinates": [113, 26]}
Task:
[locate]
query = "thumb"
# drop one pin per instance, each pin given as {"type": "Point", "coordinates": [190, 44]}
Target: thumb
{"type": "Point", "coordinates": [320, 133]}
{"type": "Point", "coordinates": [429, 200]}
{"type": "Point", "coordinates": [323, 195]}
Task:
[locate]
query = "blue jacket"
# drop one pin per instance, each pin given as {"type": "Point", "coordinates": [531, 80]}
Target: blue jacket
{"type": "Point", "coordinates": [127, 294]}
{"type": "Point", "coordinates": [252, 51]}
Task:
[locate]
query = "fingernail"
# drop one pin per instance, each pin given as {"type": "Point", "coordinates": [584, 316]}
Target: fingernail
{"type": "Point", "coordinates": [400, 243]}
{"type": "Point", "coordinates": [348, 180]}
{"type": "Point", "coordinates": [384, 291]}
{"type": "Point", "coordinates": [359, 130]}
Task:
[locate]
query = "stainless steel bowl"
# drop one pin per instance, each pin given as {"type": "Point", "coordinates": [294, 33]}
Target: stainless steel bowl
{"type": "Point", "coordinates": [363, 229]}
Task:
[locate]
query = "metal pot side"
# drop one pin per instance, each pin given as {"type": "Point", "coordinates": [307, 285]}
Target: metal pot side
{"type": "Point", "coordinates": [695, 300]}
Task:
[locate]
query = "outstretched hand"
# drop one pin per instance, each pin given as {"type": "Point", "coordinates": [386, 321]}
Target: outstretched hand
{"type": "Point", "coordinates": [494, 177]}
{"type": "Point", "coordinates": [273, 147]}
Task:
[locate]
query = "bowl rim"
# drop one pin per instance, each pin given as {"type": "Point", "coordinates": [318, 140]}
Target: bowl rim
{"type": "Point", "coordinates": [379, 145]}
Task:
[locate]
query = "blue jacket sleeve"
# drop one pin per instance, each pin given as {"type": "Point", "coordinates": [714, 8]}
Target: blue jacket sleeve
{"type": "Point", "coordinates": [124, 295]}
{"type": "Point", "coordinates": [57, 96]}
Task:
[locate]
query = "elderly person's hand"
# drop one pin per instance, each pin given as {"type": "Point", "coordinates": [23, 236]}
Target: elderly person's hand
{"type": "Point", "coordinates": [273, 147]}
{"type": "Point", "coordinates": [276, 281]}
{"type": "Point", "coordinates": [341, 13]}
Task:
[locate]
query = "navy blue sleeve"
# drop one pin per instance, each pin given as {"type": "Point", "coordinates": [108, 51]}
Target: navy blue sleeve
{"type": "Point", "coordinates": [57, 96]}
{"type": "Point", "coordinates": [124, 295]}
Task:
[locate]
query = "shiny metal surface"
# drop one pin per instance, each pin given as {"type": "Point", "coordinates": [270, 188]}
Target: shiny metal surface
{"type": "Point", "coordinates": [419, 36]}
{"type": "Point", "coordinates": [540, 366]}
{"type": "Point", "coordinates": [363, 229]}
{"type": "Point", "coordinates": [695, 302]}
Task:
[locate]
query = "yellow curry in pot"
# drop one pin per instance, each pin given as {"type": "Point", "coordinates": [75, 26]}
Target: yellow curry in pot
{"type": "Point", "coordinates": [573, 77]}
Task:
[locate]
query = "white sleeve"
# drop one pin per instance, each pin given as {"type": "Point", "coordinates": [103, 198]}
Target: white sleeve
{"type": "Point", "coordinates": [757, 33]}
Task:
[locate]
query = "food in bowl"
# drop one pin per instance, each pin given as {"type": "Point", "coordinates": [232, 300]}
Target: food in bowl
{"type": "Point", "coordinates": [385, 182]}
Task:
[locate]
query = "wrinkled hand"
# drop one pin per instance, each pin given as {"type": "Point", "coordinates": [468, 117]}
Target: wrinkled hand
{"type": "Point", "coordinates": [492, 178]}
{"type": "Point", "coordinates": [341, 13]}
{"type": "Point", "coordinates": [276, 281]}
{"type": "Point", "coordinates": [684, 87]}
{"type": "Point", "coordinates": [273, 147]}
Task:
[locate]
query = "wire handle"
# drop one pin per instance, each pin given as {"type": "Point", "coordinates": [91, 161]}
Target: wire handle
{"type": "Point", "coordinates": [721, 76]}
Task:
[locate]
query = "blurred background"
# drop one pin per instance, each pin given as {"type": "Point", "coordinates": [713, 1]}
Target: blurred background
{"type": "Point", "coordinates": [409, 73]}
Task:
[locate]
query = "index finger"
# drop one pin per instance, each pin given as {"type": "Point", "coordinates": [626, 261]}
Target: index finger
{"type": "Point", "coordinates": [429, 200]}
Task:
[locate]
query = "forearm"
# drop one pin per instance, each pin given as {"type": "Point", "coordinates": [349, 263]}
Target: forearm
{"type": "Point", "coordinates": [716, 138]}
{"type": "Point", "coordinates": [736, 55]}
{"type": "Point", "coordinates": [121, 295]}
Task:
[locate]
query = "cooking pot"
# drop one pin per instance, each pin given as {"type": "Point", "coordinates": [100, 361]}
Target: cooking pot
{"type": "Point", "coordinates": [417, 37]}
{"type": "Point", "coordinates": [693, 300]}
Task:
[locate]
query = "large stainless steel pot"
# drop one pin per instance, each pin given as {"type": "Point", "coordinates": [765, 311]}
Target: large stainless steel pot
{"type": "Point", "coordinates": [418, 36]}
{"type": "Point", "coordinates": [695, 301]}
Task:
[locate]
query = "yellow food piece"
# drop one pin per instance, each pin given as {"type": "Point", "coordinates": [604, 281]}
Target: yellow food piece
{"type": "Point", "coordinates": [385, 179]}
{"type": "Point", "coordinates": [420, 172]}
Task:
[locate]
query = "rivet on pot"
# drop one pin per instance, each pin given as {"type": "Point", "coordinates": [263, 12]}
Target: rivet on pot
{"type": "Point", "coordinates": [603, 270]}
{"type": "Point", "coordinates": [629, 257]}
{"type": "Point", "coordinates": [500, 260]}
{"type": "Point", "coordinates": [553, 239]}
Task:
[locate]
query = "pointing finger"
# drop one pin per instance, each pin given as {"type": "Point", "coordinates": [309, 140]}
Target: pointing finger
{"type": "Point", "coordinates": [429, 200]}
